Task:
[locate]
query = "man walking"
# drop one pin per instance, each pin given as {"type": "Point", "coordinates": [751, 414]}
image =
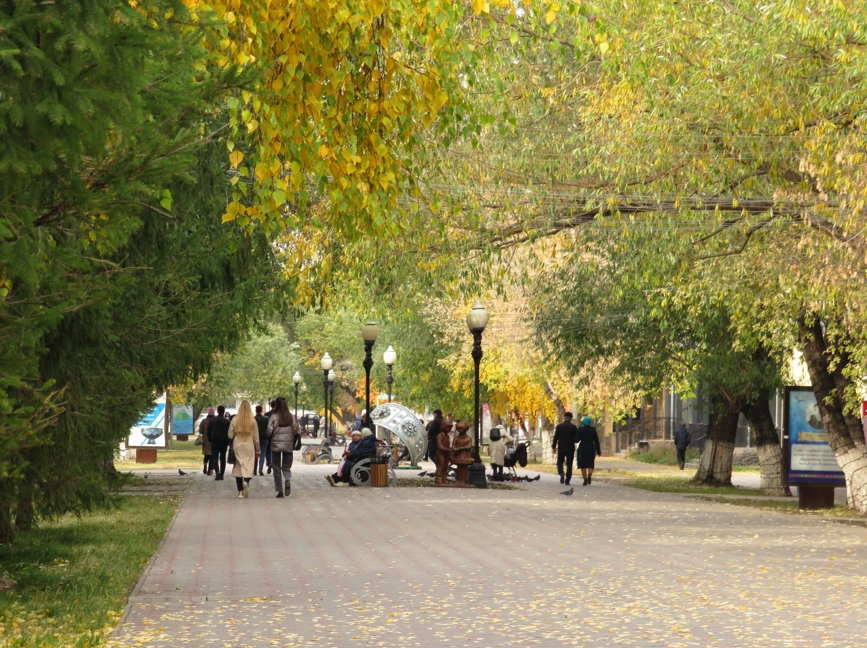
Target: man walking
{"type": "Point", "coordinates": [681, 442]}
{"type": "Point", "coordinates": [265, 456]}
{"type": "Point", "coordinates": [218, 433]}
{"type": "Point", "coordinates": [433, 431]}
{"type": "Point", "coordinates": [564, 436]}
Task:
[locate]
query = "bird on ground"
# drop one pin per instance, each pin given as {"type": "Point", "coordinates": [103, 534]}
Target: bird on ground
{"type": "Point", "coordinates": [422, 473]}
{"type": "Point", "coordinates": [568, 492]}
{"type": "Point", "coordinates": [536, 478]}
{"type": "Point", "coordinates": [181, 472]}
{"type": "Point", "coordinates": [146, 475]}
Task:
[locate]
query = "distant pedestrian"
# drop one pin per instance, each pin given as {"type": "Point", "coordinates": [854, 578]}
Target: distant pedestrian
{"type": "Point", "coordinates": [433, 430]}
{"type": "Point", "coordinates": [218, 433]}
{"type": "Point", "coordinates": [302, 422]}
{"type": "Point", "coordinates": [588, 449]}
{"type": "Point", "coordinates": [270, 412]}
{"type": "Point", "coordinates": [264, 442]}
{"type": "Point", "coordinates": [497, 449]}
{"type": "Point", "coordinates": [244, 434]}
{"type": "Point", "coordinates": [681, 442]}
{"type": "Point", "coordinates": [282, 429]}
{"type": "Point", "coordinates": [565, 436]}
{"type": "Point", "coordinates": [206, 442]}
{"type": "Point", "coordinates": [315, 420]}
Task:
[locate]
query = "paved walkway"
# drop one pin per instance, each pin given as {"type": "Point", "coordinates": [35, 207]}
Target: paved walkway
{"type": "Point", "coordinates": [609, 566]}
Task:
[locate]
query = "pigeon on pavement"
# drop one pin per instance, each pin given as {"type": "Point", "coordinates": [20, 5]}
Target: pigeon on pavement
{"type": "Point", "coordinates": [422, 473]}
{"type": "Point", "coordinates": [568, 492]}
{"type": "Point", "coordinates": [181, 472]}
{"type": "Point", "coordinates": [536, 478]}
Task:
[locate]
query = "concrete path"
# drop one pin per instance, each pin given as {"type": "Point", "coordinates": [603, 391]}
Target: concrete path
{"type": "Point", "coordinates": [609, 566]}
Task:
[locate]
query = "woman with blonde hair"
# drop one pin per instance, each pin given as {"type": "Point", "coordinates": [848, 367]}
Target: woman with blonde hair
{"type": "Point", "coordinates": [244, 435]}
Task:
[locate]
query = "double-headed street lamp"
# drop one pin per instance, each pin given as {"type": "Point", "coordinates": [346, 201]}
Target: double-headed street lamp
{"type": "Point", "coordinates": [296, 379]}
{"type": "Point", "coordinates": [325, 364]}
{"type": "Point", "coordinates": [389, 358]}
{"type": "Point", "coordinates": [369, 333]}
{"type": "Point", "coordinates": [477, 320]}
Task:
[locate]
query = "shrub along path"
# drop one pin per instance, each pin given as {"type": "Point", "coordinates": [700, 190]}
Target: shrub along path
{"type": "Point", "coordinates": [425, 567]}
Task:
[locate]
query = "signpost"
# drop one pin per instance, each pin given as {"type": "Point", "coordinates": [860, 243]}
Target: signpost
{"type": "Point", "coordinates": [808, 461]}
{"type": "Point", "coordinates": [182, 421]}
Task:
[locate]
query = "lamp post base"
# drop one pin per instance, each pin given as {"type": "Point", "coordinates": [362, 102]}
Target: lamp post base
{"type": "Point", "coordinates": [476, 476]}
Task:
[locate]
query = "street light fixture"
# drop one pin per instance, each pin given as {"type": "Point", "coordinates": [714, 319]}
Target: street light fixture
{"type": "Point", "coordinates": [369, 333]}
{"type": "Point", "coordinates": [389, 358]}
{"type": "Point", "coordinates": [331, 378]}
{"type": "Point", "coordinates": [296, 379]}
{"type": "Point", "coordinates": [325, 364]}
{"type": "Point", "coordinates": [477, 320]}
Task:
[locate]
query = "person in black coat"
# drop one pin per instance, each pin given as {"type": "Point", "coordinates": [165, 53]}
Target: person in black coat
{"type": "Point", "coordinates": [433, 431]}
{"type": "Point", "coordinates": [565, 436]}
{"type": "Point", "coordinates": [681, 442]}
{"type": "Point", "coordinates": [218, 435]}
{"type": "Point", "coordinates": [588, 449]}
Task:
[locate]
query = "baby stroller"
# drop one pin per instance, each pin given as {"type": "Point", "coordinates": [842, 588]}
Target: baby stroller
{"type": "Point", "coordinates": [515, 457]}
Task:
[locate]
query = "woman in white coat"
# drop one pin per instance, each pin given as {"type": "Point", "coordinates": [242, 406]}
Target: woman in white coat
{"type": "Point", "coordinates": [498, 450]}
{"type": "Point", "coordinates": [244, 437]}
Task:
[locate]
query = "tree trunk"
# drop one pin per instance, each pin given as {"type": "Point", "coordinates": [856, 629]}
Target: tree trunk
{"type": "Point", "coordinates": [24, 514]}
{"type": "Point", "coordinates": [549, 392]}
{"type": "Point", "coordinates": [767, 442]}
{"type": "Point", "coordinates": [7, 530]}
{"type": "Point", "coordinates": [844, 430]}
{"type": "Point", "coordinates": [715, 463]}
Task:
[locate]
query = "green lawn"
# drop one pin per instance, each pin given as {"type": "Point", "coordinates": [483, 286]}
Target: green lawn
{"type": "Point", "coordinates": [73, 575]}
{"type": "Point", "coordinates": [670, 484]}
{"type": "Point", "coordinates": [179, 454]}
{"type": "Point", "coordinates": [790, 506]}
{"type": "Point", "coordinates": [663, 456]}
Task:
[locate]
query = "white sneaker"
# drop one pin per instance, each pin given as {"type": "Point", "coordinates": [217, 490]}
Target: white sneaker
{"type": "Point", "coordinates": [241, 495]}
{"type": "Point", "coordinates": [246, 491]}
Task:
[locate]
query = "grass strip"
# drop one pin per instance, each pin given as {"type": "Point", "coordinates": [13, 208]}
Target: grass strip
{"type": "Point", "coordinates": [790, 506]}
{"type": "Point", "coordinates": [179, 454]}
{"type": "Point", "coordinates": [667, 484]}
{"type": "Point", "coordinates": [73, 575]}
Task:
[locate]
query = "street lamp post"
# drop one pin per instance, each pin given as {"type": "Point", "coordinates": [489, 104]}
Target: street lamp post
{"type": "Point", "coordinates": [325, 364]}
{"type": "Point", "coordinates": [331, 377]}
{"type": "Point", "coordinates": [389, 358]}
{"type": "Point", "coordinates": [369, 333]}
{"type": "Point", "coordinates": [296, 379]}
{"type": "Point", "coordinates": [477, 320]}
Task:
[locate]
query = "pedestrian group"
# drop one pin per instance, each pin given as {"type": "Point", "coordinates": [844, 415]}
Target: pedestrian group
{"type": "Point", "coordinates": [568, 437]}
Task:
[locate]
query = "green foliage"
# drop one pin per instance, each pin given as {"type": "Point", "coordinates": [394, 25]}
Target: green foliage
{"type": "Point", "coordinates": [108, 298]}
{"type": "Point", "coordinates": [261, 369]}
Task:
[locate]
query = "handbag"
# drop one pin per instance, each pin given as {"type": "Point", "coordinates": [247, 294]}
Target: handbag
{"type": "Point", "coordinates": [231, 458]}
{"type": "Point", "coordinates": [297, 444]}
{"type": "Point", "coordinates": [340, 467]}
{"type": "Point", "coordinates": [200, 440]}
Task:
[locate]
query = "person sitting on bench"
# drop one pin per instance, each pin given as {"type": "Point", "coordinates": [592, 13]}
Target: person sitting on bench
{"type": "Point", "coordinates": [365, 448]}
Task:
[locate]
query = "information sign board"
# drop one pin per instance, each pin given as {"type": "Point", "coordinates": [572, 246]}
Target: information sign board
{"type": "Point", "coordinates": [148, 432]}
{"type": "Point", "coordinates": [807, 455]}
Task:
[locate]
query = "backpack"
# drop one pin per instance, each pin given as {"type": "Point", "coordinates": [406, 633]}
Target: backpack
{"type": "Point", "coordinates": [495, 434]}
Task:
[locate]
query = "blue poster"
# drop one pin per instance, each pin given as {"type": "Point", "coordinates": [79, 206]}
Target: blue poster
{"type": "Point", "coordinates": [182, 419]}
{"type": "Point", "coordinates": [148, 432]}
{"type": "Point", "coordinates": [811, 459]}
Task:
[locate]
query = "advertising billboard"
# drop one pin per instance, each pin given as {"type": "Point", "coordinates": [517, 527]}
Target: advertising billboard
{"type": "Point", "coordinates": [806, 451]}
{"type": "Point", "coordinates": [148, 432]}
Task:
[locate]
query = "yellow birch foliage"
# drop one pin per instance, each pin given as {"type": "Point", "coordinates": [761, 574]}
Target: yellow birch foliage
{"type": "Point", "coordinates": [347, 88]}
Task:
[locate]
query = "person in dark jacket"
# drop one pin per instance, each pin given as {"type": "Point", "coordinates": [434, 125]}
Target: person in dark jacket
{"type": "Point", "coordinates": [433, 431]}
{"type": "Point", "coordinates": [564, 436]}
{"type": "Point", "coordinates": [206, 442]}
{"type": "Point", "coordinates": [681, 442]}
{"type": "Point", "coordinates": [588, 449]}
{"type": "Point", "coordinates": [218, 434]}
{"type": "Point", "coordinates": [365, 448]}
{"type": "Point", "coordinates": [264, 441]}
{"type": "Point", "coordinates": [314, 418]}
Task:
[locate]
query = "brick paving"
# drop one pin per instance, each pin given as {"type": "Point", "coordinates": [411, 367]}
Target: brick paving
{"type": "Point", "coordinates": [610, 566]}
